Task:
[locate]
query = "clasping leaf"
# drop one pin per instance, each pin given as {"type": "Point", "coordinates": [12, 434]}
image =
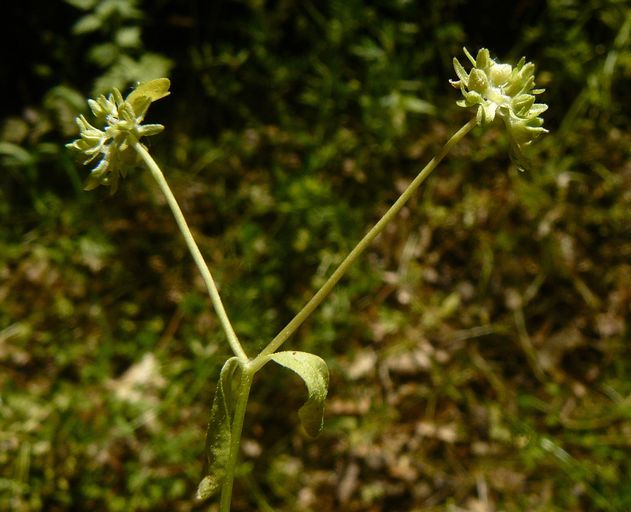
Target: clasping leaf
{"type": "Point", "coordinates": [219, 432]}
{"type": "Point", "coordinates": [315, 373]}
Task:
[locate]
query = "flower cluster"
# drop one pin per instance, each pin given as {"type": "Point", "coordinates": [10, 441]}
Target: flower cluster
{"type": "Point", "coordinates": [501, 90]}
{"type": "Point", "coordinates": [120, 118]}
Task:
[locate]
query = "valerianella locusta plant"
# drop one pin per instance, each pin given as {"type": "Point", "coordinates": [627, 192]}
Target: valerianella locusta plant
{"type": "Point", "coordinates": [119, 121]}
{"type": "Point", "coordinates": [496, 90]}
{"type": "Point", "coordinates": [501, 90]}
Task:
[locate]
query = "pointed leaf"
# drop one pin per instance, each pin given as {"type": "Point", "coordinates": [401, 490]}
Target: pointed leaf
{"type": "Point", "coordinates": [469, 56]}
{"type": "Point", "coordinates": [91, 183]}
{"type": "Point", "coordinates": [460, 72]}
{"type": "Point", "coordinates": [88, 23]}
{"type": "Point", "coordinates": [315, 373]}
{"type": "Point", "coordinates": [537, 109]}
{"type": "Point", "coordinates": [153, 89]}
{"type": "Point", "coordinates": [219, 432]}
{"type": "Point", "coordinates": [146, 93]}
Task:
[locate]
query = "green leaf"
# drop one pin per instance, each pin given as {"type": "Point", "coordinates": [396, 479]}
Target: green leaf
{"type": "Point", "coordinates": [128, 37]}
{"type": "Point", "coordinates": [146, 93]}
{"type": "Point", "coordinates": [17, 156]}
{"type": "Point", "coordinates": [88, 23]}
{"type": "Point", "coordinates": [417, 105]}
{"type": "Point", "coordinates": [219, 432]}
{"type": "Point", "coordinates": [315, 373]}
{"type": "Point", "coordinates": [126, 70]}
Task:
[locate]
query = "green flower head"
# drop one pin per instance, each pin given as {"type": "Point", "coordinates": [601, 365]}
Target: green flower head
{"type": "Point", "coordinates": [501, 90]}
{"type": "Point", "coordinates": [119, 128]}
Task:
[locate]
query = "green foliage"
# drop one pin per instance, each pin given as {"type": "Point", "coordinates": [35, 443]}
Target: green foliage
{"type": "Point", "coordinates": [315, 374]}
{"type": "Point", "coordinates": [219, 436]}
{"type": "Point", "coordinates": [479, 353]}
{"type": "Point", "coordinates": [118, 23]}
{"type": "Point", "coordinates": [146, 93]}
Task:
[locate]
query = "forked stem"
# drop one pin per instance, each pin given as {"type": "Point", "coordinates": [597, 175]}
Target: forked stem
{"type": "Point", "coordinates": [153, 167]}
{"type": "Point", "coordinates": [249, 368]}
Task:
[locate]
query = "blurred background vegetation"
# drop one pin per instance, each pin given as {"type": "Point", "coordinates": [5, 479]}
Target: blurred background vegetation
{"type": "Point", "coordinates": [480, 352]}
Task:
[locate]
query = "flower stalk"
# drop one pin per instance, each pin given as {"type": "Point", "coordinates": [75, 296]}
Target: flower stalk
{"type": "Point", "coordinates": [211, 287]}
{"type": "Point", "coordinates": [118, 146]}
{"type": "Point", "coordinates": [328, 286]}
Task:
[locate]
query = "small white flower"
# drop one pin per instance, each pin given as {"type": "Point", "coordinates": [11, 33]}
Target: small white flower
{"type": "Point", "coordinates": [501, 90]}
{"type": "Point", "coordinates": [121, 128]}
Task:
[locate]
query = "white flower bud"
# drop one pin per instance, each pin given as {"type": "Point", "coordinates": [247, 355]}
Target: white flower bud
{"type": "Point", "coordinates": [501, 90]}
{"type": "Point", "coordinates": [500, 73]}
{"type": "Point", "coordinates": [121, 129]}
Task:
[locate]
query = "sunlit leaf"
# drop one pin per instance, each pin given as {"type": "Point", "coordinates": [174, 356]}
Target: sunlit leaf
{"type": "Point", "coordinates": [315, 373]}
{"type": "Point", "coordinates": [463, 76]}
{"type": "Point", "coordinates": [219, 432]}
{"type": "Point", "coordinates": [88, 23]}
{"type": "Point", "coordinates": [148, 92]}
{"type": "Point", "coordinates": [17, 155]}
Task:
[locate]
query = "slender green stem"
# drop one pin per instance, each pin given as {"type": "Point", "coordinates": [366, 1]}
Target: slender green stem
{"type": "Point", "coordinates": [153, 167]}
{"type": "Point", "coordinates": [235, 436]}
{"type": "Point", "coordinates": [321, 294]}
